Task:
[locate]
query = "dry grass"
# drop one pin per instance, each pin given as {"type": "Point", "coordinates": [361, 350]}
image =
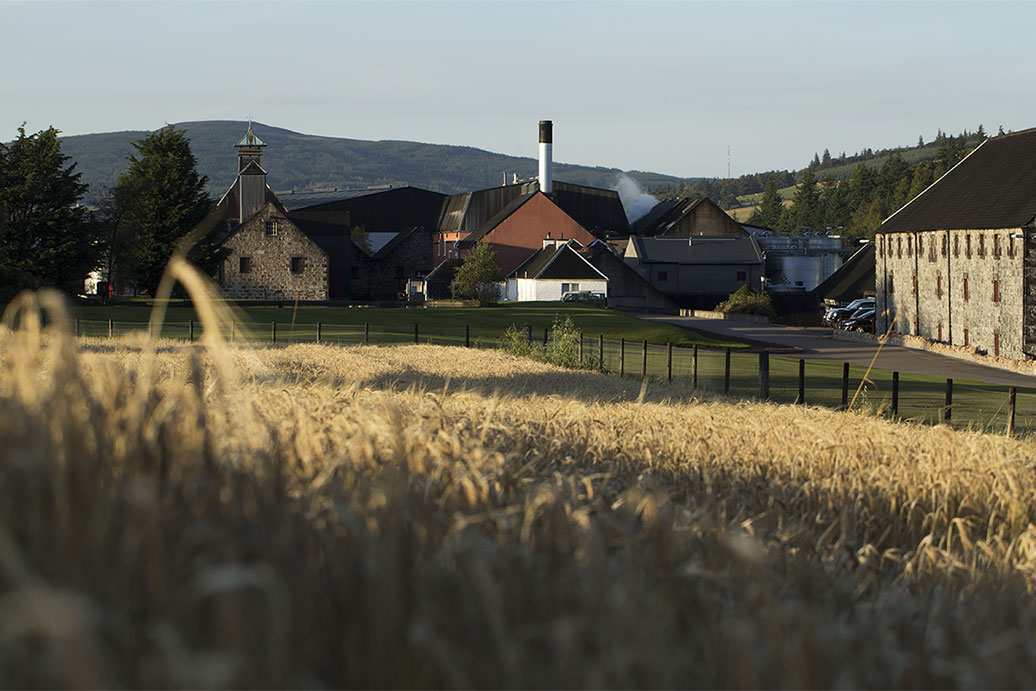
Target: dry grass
{"type": "Point", "coordinates": [425, 517]}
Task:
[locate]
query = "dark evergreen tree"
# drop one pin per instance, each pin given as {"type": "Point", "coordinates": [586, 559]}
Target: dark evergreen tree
{"type": "Point", "coordinates": [44, 239]}
{"type": "Point", "coordinates": [920, 140]}
{"type": "Point", "coordinates": [771, 206]}
{"type": "Point", "coordinates": [807, 212]}
{"type": "Point", "coordinates": [981, 132]}
{"type": "Point", "coordinates": [159, 199]}
{"type": "Point", "coordinates": [826, 159]}
{"type": "Point", "coordinates": [1000, 130]}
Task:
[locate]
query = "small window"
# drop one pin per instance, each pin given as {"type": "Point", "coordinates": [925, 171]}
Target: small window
{"type": "Point", "coordinates": [996, 343]}
{"type": "Point", "coordinates": [354, 272]}
{"type": "Point", "coordinates": [298, 265]}
{"type": "Point", "coordinates": [244, 265]}
{"type": "Point", "coordinates": [956, 245]}
{"type": "Point", "coordinates": [1010, 245]}
{"type": "Point", "coordinates": [881, 246]}
{"type": "Point", "coordinates": [945, 242]}
{"type": "Point", "coordinates": [663, 275]}
{"type": "Point", "coordinates": [996, 290]}
{"type": "Point", "coordinates": [967, 245]}
{"type": "Point", "coordinates": [981, 244]}
{"type": "Point", "coordinates": [938, 287]}
{"type": "Point", "coordinates": [965, 337]}
{"type": "Point", "coordinates": [915, 284]}
{"type": "Point", "coordinates": [910, 246]}
{"type": "Point", "coordinates": [967, 292]}
{"type": "Point", "coordinates": [890, 282]}
{"type": "Point", "coordinates": [931, 249]}
{"type": "Point", "coordinates": [899, 247]}
{"type": "Point", "coordinates": [271, 229]}
{"type": "Point", "coordinates": [996, 244]}
{"type": "Point", "coordinates": [742, 276]}
{"type": "Point", "coordinates": [940, 332]}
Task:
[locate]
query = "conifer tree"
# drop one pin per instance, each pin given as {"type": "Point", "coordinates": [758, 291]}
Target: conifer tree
{"type": "Point", "coordinates": [44, 237]}
{"type": "Point", "coordinates": [159, 199]}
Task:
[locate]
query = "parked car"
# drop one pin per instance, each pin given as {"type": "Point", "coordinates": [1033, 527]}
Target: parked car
{"type": "Point", "coordinates": [863, 320]}
{"type": "Point", "coordinates": [583, 296]}
{"type": "Point", "coordinates": [836, 315]}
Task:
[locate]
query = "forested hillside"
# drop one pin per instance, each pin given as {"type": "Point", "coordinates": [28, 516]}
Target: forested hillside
{"type": "Point", "coordinates": [850, 195]}
{"type": "Point", "coordinates": [306, 162]}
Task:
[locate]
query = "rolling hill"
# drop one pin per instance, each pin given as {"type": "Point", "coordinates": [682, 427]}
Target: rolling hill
{"type": "Point", "coordinates": [307, 162]}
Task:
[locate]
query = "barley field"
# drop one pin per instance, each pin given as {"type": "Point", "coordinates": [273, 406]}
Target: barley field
{"type": "Point", "coordinates": [188, 516]}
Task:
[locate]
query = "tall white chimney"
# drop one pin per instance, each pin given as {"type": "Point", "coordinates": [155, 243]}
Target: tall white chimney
{"type": "Point", "coordinates": [546, 156]}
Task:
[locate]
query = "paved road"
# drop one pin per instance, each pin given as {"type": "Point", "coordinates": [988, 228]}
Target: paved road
{"type": "Point", "coordinates": [818, 344]}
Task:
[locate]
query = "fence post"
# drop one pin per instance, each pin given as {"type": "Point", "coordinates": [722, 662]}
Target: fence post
{"type": "Point", "coordinates": [1012, 394]}
{"type": "Point", "coordinates": [77, 327]}
{"type": "Point", "coordinates": [600, 352]}
{"type": "Point", "coordinates": [801, 400]}
{"type": "Point", "coordinates": [643, 359]}
{"type": "Point", "coordinates": [622, 356]}
{"type": "Point", "coordinates": [232, 329]}
{"type": "Point", "coordinates": [895, 394]}
{"type": "Point", "coordinates": [845, 385]}
{"type": "Point", "coordinates": [546, 333]}
{"type": "Point", "coordinates": [764, 375]}
{"type": "Point", "coordinates": [111, 328]}
{"type": "Point", "coordinates": [669, 362]}
{"type": "Point", "coordinates": [580, 348]}
{"type": "Point", "coordinates": [190, 330]}
{"type": "Point", "coordinates": [467, 335]}
{"type": "Point", "coordinates": [528, 334]}
{"type": "Point", "coordinates": [946, 413]}
{"type": "Point", "coordinates": [726, 371]}
{"type": "Point", "coordinates": [415, 333]}
{"type": "Point", "coordinates": [366, 333]}
{"type": "Point", "coordinates": [318, 332]}
{"type": "Point", "coordinates": [273, 331]}
{"type": "Point", "coordinates": [694, 367]}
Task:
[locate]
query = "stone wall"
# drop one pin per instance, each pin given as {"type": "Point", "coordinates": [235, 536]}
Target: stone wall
{"type": "Point", "coordinates": [271, 257]}
{"type": "Point", "coordinates": [960, 287]}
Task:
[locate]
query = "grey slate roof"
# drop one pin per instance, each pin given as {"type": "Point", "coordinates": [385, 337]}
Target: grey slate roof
{"type": "Point", "coordinates": [993, 187]}
{"type": "Point", "coordinates": [293, 201]}
{"type": "Point", "coordinates": [697, 250]}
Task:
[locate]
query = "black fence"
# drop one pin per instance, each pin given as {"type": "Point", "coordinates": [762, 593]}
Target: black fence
{"type": "Point", "coordinates": [735, 372]}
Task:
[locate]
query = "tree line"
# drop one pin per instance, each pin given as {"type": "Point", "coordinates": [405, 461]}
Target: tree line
{"type": "Point", "coordinates": [48, 237]}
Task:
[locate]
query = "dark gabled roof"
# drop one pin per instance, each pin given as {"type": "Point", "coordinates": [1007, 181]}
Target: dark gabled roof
{"type": "Point", "coordinates": [666, 217]}
{"type": "Point", "coordinates": [993, 187]}
{"type": "Point", "coordinates": [699, 249]}
{"type": "Point", "coordinates": [294, 201]}
{"type": "Point", "coordinates": [853, 279]}
{"type": "Point", "coordinates": [495, 220]}
{"type": "Point", "coordinates": [310, 227]}
{"type": "Point", "coordinates": [556, 262]}
{"type": "Point", "coordinates": [389, 247]}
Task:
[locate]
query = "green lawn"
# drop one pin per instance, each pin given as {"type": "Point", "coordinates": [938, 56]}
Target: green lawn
{"type": "Point", "coordinates": [435, 324]}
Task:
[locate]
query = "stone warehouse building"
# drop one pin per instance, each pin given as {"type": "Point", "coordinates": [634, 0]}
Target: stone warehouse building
{"type": "Point", "coordinates": [957, 264]}
{"type": "Point", "coordinates": [348, 245]}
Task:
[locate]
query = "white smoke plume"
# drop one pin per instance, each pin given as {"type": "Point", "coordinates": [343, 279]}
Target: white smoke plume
{"type": "Point", "coordinates": [635, 201]}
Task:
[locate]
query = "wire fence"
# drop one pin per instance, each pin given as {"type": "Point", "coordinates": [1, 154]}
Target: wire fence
{"type": "Point", "coordinates": [738, 373]}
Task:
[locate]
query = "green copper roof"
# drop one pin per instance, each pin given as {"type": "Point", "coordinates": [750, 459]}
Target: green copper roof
{"type": "Point", "coordinates": [250, 139]}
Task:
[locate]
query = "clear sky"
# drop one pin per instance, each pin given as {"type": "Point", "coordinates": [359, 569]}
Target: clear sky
{"type": "Point", "coordinates": [660, 86]}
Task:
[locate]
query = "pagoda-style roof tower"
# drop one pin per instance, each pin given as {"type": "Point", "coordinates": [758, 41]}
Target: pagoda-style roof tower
{"type": "Point", "coordinates": [249, 148]}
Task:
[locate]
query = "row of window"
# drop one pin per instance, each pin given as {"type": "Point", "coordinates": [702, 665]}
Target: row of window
{"type": "Point", "coordinates": [895, 245]}
{"type": "Point", "coordinates": [965, 286]}
{"type": "Point", "coordinates": [298, 266]}
{"type": "Point", "coordinates": [966, 334]}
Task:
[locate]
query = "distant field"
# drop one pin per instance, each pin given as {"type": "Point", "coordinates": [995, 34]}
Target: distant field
{"type": "Point", "coordinates": [427, 517]}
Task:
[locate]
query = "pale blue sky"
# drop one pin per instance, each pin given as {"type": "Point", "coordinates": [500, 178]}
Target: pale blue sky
{"type": "Point", "coordinates": [661, 86]}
